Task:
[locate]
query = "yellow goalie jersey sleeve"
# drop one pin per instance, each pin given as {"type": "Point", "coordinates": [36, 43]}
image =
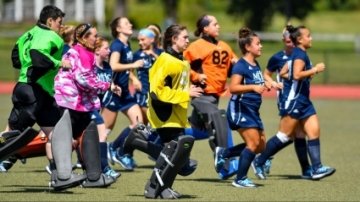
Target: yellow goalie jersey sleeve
{"type": "Point", "coordinates": [169, 92]}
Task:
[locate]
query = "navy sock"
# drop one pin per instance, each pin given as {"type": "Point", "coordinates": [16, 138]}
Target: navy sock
{"type": "Point", "coordinates": [301, 152]}
{"type": "Point", "coordinates": [245, 160]}
{"type": "Point", "coordinates": [314, 153]}
{"type": "Point", "coordinates": [230, 142]}
{"type": "Point", "coordinates": [118, 142]}
{"type": "Point", "coordinates": [273, 145]}
{"type": "Point", "coordinates": [103, 155]}
{"type": "Point", "coordinates": [234, 151]}
{"type": "Point", "coordinates": [52, 164]}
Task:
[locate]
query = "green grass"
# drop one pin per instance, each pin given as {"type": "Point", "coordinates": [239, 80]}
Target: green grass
{"type": "Point", "coordinates": [339, 148]}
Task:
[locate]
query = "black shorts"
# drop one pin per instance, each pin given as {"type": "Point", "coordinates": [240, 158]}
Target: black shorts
{"type": "Point", "coordinates": [32, 104]}
{"type": "Point", "coordinates": [79, 121]}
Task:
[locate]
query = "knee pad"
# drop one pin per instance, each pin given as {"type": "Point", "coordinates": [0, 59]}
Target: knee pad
{"type": "Point", "coordinates": [20, 119]}
{"type": "Point", "coordinates": [90, 152]}
{"type": "Point", "coordinates": [172, 158]}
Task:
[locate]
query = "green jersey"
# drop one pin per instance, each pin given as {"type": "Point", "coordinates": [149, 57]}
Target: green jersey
{"type": "Point", "coordinates": [38, 55]}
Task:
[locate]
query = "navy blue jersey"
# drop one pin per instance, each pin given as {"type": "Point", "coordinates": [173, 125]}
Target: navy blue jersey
{"type": "Point", "coordinates": [276, 62]}
{"type": "Point", "coordinates": [126, 57]}
{"type": "Point", "coordinates": [143, 73]}
{"type": "Point", "coordinates": [104, 74]}
{"type": "Point", "coordinates": [297, 89]}
{"type": "Point", "coordinates": [243, 109]}
{"type": "Point", "coordinates": [252, 75]}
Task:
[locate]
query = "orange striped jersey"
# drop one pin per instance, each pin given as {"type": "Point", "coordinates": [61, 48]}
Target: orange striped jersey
{"type": "Point", "coordinates": [215, 63]}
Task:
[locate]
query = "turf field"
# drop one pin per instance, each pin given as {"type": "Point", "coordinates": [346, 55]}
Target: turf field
{"type": "Point", "coordinates": [340, 148]}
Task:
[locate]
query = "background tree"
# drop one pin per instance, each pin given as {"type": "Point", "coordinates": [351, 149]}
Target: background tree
{"type": "Point", "coordinates": [170, 7]}
{"type": "Point", "coordinates": [258, 14]}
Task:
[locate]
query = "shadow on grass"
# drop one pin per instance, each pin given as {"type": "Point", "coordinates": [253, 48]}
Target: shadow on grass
{"type": "Point", "coordinates": [204, 180]}
{"type": "Point", "coordinates": [34, 189]}
{"type": "Point", "coordinates": [184, 196]}
{"type": "Point", "coordinates": [288, 177]}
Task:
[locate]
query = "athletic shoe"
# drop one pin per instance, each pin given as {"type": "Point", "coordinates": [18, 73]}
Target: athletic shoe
{"type": "Point", "coordinates": [258, 170]}
{"type": "Point", "coordinates": [77, 165]}
{"type": "Point", "coordinates": [188, 168]}
{"type": "Point", "coordinates": [48, 170]}
{"type": "Point", "coordinates": [231, 170]}
{"type": "Point", "coordinates": [307, 175]}
{"type": "Point", "coordinates": [102, 182]}
{"type": "Point", "coordinates": [245, 183]}
{"type": "Point", "coordinates": [126, 161]}
{"type": "Point", "coordinates": [7, 164]}
{"type": "Point", "coordinates": [2, 168]}
{"type": "Point", "coordinates": [219, 160]}
{"type": "Point", "coordinates": [108, 171]}
{"type": "Point", "coordinates": [267, 166]}
{"type": "Point", "coordinates": [59, 185]}
{"type": "Point", "coordinates": [322, 172]}
{"type": "Point", "coordinates": [111, 154]}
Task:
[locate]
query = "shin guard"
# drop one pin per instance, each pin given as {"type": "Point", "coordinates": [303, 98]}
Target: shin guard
{"type": "Point", "coordinates": [172, 158]}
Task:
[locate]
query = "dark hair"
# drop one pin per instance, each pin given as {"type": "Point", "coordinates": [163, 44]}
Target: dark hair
{"type": "Point", "coordinates": [113, 26]}
{"type": "Point", "coordinates": [294, 33]}
{"type": "Point", "coordinates": [245, 38]}
{"type": "Point", "coordinates": [50, 11]}
{"type": "Point", "coordinates": [202, 22]}
{"type": "Point", "coordinates": [172, 31]}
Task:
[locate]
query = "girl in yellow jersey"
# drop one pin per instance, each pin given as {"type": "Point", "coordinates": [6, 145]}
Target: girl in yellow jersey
{"type": "Point", "coordinates": [169, 98]}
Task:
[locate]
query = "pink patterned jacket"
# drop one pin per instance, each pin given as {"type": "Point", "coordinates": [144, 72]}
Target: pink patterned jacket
{"type": "Point", "coordinates": [77, 88]}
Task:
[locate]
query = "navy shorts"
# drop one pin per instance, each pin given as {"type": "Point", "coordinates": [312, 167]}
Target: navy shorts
{"type": "Point", "coordinates": [244, 116]}
{"type": "Point", "coordinates": [96, 117]}
{"type": "Point", "coordinates": [298, 109]}
{"type": "Point", "coordinates": [117, 103]}
{"type": "Point", "coordinates": [141, 99]}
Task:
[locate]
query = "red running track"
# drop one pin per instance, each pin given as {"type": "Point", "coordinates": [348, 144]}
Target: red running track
{"type": "Point", "coordinates": [317, 91]}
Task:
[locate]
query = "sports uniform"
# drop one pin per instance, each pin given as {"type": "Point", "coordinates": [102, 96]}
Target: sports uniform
{"type": "Point", "coordinates": [112, 101]}
{"type": "Point", "coordinates": [296, 94]}
{"type": "Point", "coordinates": [143, 75]}
{"type": "Point", "coordinates": [38, 55]}
{"type": "Point", "coordinates": [243, 109]}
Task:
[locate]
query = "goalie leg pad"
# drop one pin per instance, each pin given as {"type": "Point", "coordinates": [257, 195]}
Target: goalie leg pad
{"type": "Point", "coordinates": [137, 139]}
{"type": "Point", "coordinates": [12, 141]}
{"type": "Point", "coordinates": [218, 128]}
{"type": "Point", "coordinates": [172, 158]}
{"type": "Point", "coordinates": [90, 152]}
{"type": "Point", "coordinates": [61, 146]}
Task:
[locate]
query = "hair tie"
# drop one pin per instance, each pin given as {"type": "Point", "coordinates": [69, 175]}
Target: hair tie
{"type": "Point", "coordinates": [87, 27]}
{"type": "Point", "coordinates": [147, 32]}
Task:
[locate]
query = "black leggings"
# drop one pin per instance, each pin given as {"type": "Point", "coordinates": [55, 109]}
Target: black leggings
{"type": "Point", "coordinates": [168, 134]}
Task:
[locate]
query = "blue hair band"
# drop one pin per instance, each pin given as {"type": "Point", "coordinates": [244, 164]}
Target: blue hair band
{"type": "Point", "coordinates": [147, 32]}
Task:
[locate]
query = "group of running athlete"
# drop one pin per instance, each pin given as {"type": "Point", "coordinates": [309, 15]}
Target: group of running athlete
{"type": "Point", "coordinates": [74, 93]}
